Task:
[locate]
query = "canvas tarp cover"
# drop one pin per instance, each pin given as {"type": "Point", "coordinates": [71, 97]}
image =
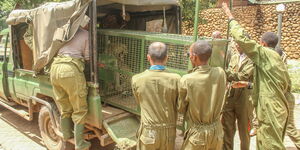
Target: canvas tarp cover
{"type": "Point", "coordinates": [52, 25]}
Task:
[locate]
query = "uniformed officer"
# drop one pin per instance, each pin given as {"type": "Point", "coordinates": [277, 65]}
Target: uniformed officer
{"type": "Point", "coordinates": [238, 107]}
{"type": "Point", "coordinates": [291, 129]}
{"type": "Point", "coordinates": [271, 82]}
{"type": "Point", "coordinates": [69, 87]}
{"type": "Point", "coordinates": [201, 97]}
{"type": "Point", "coordinates": [156, 91]}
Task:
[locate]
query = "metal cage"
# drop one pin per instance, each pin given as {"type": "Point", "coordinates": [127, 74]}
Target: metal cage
{"type": "Point", "coordinates": [122, 53]}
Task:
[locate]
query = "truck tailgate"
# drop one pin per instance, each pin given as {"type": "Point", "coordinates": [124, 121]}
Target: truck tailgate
{"type": "Point", "coordinates": [122, 128]}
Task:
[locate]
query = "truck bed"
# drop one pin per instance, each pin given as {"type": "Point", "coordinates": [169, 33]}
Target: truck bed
{"type": "Point", "coordinates": [108, 112]}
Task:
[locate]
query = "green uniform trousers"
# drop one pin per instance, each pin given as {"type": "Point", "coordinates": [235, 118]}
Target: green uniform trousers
{"type": "Point", "coordinates": [237, 109]}
{"type": "Point", "coordinates": [69, 88]}
{"type": "Point", "coordinates": [156, 138]}
{"type": "Point", "coordinates": [272, 119]}
{"type": "Point", "coordinates": [291, 129]}
{"type": "Point", "coordinates": [204, 137]}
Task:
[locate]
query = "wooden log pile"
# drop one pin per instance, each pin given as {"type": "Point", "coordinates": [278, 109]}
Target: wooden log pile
{"type": "Point", "coordinates": [256, 19]}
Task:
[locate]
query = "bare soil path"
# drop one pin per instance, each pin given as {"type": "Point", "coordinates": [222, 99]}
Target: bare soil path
{"type": "Point", "coordinates": [18, 134]}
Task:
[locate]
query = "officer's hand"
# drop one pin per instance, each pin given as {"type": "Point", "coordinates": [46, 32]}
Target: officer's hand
{"type": "Point", "coordinates": [240, 84]}
{"type": "Point", "coordinates": [227, 11]}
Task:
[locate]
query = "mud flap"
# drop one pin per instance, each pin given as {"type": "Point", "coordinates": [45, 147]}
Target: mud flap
{"type": "Point", "coordinates": [122, 129]}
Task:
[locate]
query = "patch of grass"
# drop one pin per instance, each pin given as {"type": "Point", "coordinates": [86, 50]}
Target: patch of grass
{"type": "Point", "coordinates": [294, 71]}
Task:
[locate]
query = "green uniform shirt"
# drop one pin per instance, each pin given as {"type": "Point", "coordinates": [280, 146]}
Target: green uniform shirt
{"type": "Point", "coordinates": [244, 72]}
{"type": "Point", "coordinates": [271, 78]}
{"type": "Point", "coordinates": [238, 108]}
{"type": "Point", "coordinates": [156, 91]}
{"type": "Point", "coordinates": [201, 94]}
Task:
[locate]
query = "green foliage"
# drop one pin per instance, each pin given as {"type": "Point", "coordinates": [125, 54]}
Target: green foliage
{"type": "Point", "coordinates": [8, 5]}
{"type": "Point", "coordinates": [4, 10]}
{"type": "Point", "coordinates": [3, 25]}
{"type": "Point", "coordinates": [294, 71]}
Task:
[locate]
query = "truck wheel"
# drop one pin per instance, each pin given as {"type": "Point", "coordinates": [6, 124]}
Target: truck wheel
{"type": "Point", "coordinates": [50, 138]}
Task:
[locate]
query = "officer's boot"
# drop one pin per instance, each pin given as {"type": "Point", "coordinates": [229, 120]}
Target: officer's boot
{"type": "Point", "coordinates": [80, 143]}
{"type": "Point", "coordinates": [66, 125]}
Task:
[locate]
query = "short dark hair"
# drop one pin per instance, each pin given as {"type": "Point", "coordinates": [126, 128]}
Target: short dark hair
{"type": "Point", "coordinates": [202, 49]}
{"type": "Point", "coordinates": [270, 38]}
{"type": "Point", "coordinates": [158, 51]}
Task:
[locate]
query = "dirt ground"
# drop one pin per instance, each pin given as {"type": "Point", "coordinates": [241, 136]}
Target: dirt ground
{"type": "Point", "coordinates": [18, 134]}
{"type": "Point", "coordinates": [15, 130]}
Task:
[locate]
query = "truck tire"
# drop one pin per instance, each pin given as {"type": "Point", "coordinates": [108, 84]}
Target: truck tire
{"type": "Point", "coordinates": [50, 139]}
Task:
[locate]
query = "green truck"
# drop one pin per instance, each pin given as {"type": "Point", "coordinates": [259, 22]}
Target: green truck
{"type": "Point", "coordinates": [120, 33]}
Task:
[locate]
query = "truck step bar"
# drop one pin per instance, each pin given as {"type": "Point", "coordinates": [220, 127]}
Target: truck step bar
{"type": "Point", "coordinates": [26, 115]}
{"type": "Point", "coordinates": [48, 105]}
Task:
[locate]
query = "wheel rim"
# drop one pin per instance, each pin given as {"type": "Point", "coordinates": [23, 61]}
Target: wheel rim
{"type": "Point", "coordinates": [50, 130]}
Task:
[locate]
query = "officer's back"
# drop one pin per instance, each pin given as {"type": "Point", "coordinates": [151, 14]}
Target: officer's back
{"type": "Point", "coordinates": [156, 91]}
{"type": "Point", "coordinates": [205, 93]}
{"type": "Point", "coordinates": [201, 96]}
{"type": "Point", "coordinates": [157, 95]}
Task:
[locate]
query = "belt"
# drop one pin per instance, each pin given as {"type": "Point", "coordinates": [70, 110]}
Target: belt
{"type": "Point", "coordinates": [206, 126]}
{"type": "Point", "coordinates": [78, 62]}
{"type": "Point", "coordinates": [161, 125]}
{"type": "Point", "coordinates": [68, 56]}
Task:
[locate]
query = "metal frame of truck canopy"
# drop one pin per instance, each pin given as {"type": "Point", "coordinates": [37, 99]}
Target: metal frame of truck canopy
{"type": "Point", "coordinates": [93, 41]}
